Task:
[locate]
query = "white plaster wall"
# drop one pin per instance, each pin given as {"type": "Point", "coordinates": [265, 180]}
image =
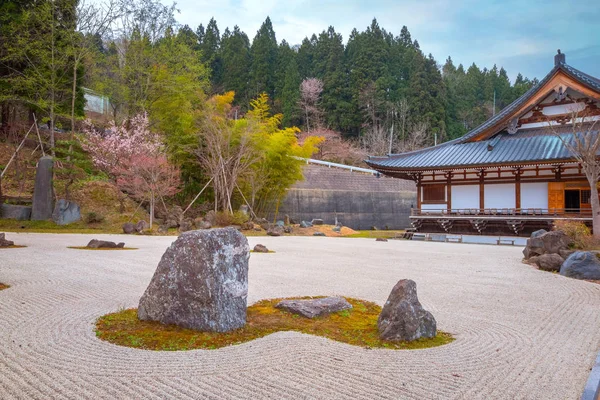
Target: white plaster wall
{"type": "Point", "coordinates": [441, 206]}
{"type": "Point", "coordinates": [465, 196]}
{"type": "Point", "coordinates": [499, 195]}
{"type": "Point", "coordinates": [534, 195]}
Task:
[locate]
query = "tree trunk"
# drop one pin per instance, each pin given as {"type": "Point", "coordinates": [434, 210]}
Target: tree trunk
{"type": "Point", "coordinates": [595, 202]}
{"type": "Point", "coordinates": [151, 209]}
{"type": "Point", "coordinates": [73, 94]}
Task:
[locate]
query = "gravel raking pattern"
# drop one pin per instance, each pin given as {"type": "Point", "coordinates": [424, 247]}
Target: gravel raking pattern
{"type": "Point", "coordinates": [520, 333]}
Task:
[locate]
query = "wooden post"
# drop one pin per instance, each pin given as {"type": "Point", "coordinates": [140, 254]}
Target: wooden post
{"type": "Point", "coordinates": [481, 190]}
{"type": "Point", "coordinates": [419, 194]}
{"type": "Point", "coordinates": [518, 173]}
{"type": "Point", "coordinates": [449, 190]}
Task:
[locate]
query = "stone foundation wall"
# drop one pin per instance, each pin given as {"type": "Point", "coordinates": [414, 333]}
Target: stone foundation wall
{"type": "Point", "coordinates": [359, 201]}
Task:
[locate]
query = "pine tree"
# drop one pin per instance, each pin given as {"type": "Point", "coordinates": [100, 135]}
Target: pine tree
{"type": "Point", "coordinates": [210, 47]}
{"type": "Point", "coordinates": [235, 49]}
{"type": "Point", "coordinates": [263, 55]}
{"type": "Point", "coordinates": [290, 95]}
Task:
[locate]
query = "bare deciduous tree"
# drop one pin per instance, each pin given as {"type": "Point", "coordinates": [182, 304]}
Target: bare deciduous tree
{"type": "Point", "coordinates": [310, 93]}
{"type": "Point", "coordinates": [583, 142]}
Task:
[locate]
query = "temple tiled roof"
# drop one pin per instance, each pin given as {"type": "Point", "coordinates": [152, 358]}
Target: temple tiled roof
{"type": "Point", "coordinates": [502, 149]}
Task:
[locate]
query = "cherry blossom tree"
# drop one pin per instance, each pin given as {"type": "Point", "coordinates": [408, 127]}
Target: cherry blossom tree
{"type": "Point", "coordinates": [148, 177]}
{"type": "Point", "coordinates": [135, 158]}
{"type": "Point", "coordinates": [119, 143]}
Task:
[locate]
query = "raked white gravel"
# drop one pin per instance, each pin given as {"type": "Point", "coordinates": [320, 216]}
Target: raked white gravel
{"type": "Point", "coordinates": [520, 333]}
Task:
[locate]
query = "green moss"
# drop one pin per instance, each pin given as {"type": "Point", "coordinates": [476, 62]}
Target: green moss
{"type": "Point", "coordinates": [3, 286]}
{"type": "Point", "coordinates": [102, 248]}
{"type": "Point", "coordinates": [377, 234]}
{"type": "Point", "coordinates": [357, 326]}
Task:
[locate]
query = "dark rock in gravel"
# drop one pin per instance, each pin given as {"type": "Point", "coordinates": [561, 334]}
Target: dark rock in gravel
{"type": "Point", "coordinates": [201, 282]}
{"type": "Point", "coordinates": [141, 226]}
{"type": "Point", "coordinates": [104, 244]}
{"type": "Point", "coordinates": [260, 248]}
{"type": "Point", "coordinates": [203, 224]}
{"type": "Point", "coordinates": [186, 225]}
{"type": "Point", "coordinates": [312, 308]}
{"type": "Point", "coordinates": [4, 242]}
{"type": "Point", "coordinates": [248, 226]}
{"type": "Point", "coordinates": [317, 221]}
{"type": "Point", "coordinates": [211, 217]}
{"type": "Point", "coordinates": [381, 240]}
{"type": "Point", "coordinates": [549, 262]}
{"type": "Point", "coordinates": [319, 234]}
{"type": "Point", "coordinates": [581, 265]}
{"type": "Point", "coordinates": [288, 229]}
{"type": "Point", "coordinates": [128, 228]}
{"type": "Point", "coordinates": [402, 317]}
{"type": "Point", "coordinates": [275, 231]}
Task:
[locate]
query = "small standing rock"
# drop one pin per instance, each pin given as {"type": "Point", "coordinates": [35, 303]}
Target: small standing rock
{"type": "Point", "coordinates": [203, 224]}
{"type": "Point", "coordinates": [186, 225]}
{"type": "Point", "coordinates": [305, 224]}
{"type": "Point", "coordinates": [141, 226]}
{"type": "Point", "coordinates": [4, 242]}
{"type": "Point", "coordinates": [312, 308]}
{"type": "Point", "coordinates": [128, 228]}
{"type": "Point", "coordinates": [260, 248]}
{"type": "Point", "coordinates": [402, 317]}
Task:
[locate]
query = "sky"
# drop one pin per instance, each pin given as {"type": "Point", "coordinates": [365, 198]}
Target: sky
{"type": "Point", "coordinates": [522, 36]}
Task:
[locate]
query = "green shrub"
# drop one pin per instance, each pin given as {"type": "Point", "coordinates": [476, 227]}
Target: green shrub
{"type": "Point", "coordinates": [225, 218]}
{"type": "Point", "coordinates": [580, 234]}
{"type": "Point", "coordinates": [93, 217]}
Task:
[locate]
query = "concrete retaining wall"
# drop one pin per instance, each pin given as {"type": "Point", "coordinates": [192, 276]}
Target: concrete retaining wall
{"type": "Point", "coordinates": [360, 201]}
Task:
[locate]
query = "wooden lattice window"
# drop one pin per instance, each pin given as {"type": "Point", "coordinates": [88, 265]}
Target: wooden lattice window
{"type": "Point", "coordinates": [585, 196]}
{"type": "Point", "coordinates": [434, 193]}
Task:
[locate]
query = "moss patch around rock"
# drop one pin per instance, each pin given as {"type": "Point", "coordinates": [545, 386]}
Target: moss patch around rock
{"type": "Point", "coordinates": [101, 248]}
{"type": "Point", "coordinates": [357, 327]}
{"type": "Point", "coordinates": [3, 286]}
{"type": "Point", "coordinates": [14, 246]}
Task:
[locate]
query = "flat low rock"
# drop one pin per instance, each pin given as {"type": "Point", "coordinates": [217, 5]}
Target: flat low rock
{"type": "Point", "coordinates": [20, 213]}
{"type": "Point", "coordinates": [260, 248]}
{"type": "Point", "coordinates": [311, 308]}
{"type": "Point", "coordinates": [104, 244]}
{"type": "Point", "coordinates": [581, 265]}
{"type": "Point", "coordinates": [201, 282]}
{"type": "Point", "coordinates": [403, 318]}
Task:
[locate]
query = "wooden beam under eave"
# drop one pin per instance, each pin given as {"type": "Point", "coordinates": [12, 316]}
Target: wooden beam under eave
{"type": "Point", "coordinates": [481, 190]}
{"type": "Point", "coordinates": [560, 78]}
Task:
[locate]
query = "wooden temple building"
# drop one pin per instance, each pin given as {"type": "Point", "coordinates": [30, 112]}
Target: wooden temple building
{"type": "Point", "coordinates": [512, 174]}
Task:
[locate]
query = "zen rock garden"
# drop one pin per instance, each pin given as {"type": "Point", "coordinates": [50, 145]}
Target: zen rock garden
{"type": "Point", "coordinates": [551, 251]}
{"type": "Point", "coordinates": [201, 283]}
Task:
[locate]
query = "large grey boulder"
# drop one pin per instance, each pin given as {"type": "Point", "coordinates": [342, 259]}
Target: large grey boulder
{"type": "Point", "coordinates": [4, 242]}
{"type": "Point", "coordinates": [201, 282]}
{"type": "Point", "coordinates": [542, 242]}
{"type": "Point", "coordinates": [20, 213]}
{"type": "Point", "coordinates": [581, 265]}
{"type": "Point", "coordinates": [312, 308]}
{"type": "Point", "coordinates": [66, 212]}
{"type": "Point", "coordinates": [275, 230]}
{"type": "Point", "coordinates": [549, 262]}
{"type": "Point", "coordinates": [43, 192]}
{"type": "Point", "coordinates": [402, 317]}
